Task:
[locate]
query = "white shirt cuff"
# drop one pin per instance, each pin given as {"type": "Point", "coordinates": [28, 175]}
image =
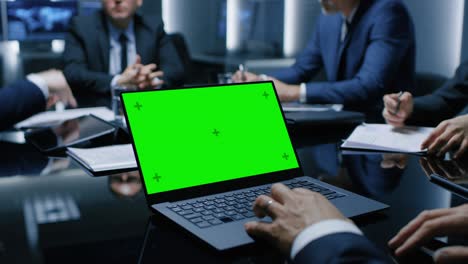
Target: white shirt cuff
{"type": "Point", "coordinates": [114, 81]}
{"type": "Point", "coordinates": [156, 79]}
{"type": "Point", "coordinates": [39, 82]}
{"type": "Point", "coordinates": [263, 77]}
{"type": "Point", "coordinates": [303, 93]}
{"type": "Point", "coordinates": [322, 229]}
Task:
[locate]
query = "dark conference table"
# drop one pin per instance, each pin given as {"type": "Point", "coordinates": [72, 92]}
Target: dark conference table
{"type": "Point", "coordinates": [54, 212]}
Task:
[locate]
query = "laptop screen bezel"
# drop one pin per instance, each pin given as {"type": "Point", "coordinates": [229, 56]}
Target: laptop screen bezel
{"type": "Point", "coordinates": [207, 189]}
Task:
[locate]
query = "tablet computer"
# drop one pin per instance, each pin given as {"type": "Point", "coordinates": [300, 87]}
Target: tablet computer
{"type": "Point", "coordinates": [73, 132]}
{"type": "Point", "coordinates": [450, 174]}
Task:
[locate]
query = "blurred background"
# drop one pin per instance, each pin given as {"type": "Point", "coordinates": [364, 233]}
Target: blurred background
{"type": "Point", "coordinates": [214, 36]}
{"type": "Point", "coordinates": [220, 34]}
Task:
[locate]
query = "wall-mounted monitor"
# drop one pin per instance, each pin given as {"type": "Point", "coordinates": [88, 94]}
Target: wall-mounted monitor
{"type": "Point", "coordinates": [39, 19]}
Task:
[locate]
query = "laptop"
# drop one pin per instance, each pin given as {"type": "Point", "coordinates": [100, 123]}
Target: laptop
{"type": "Point", "coordinates": [205, 154]}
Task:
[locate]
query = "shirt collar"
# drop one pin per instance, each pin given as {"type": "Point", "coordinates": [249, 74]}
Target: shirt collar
{"type": "Point", "coordinates": [115, 32]}
{"type": "Point", "coordinates": [350, 18]}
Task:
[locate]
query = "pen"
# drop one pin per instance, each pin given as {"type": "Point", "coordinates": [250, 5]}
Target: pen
{"type": "Point", "coordinates": [242, 70]}
{"type": "Point", "coordinates": [398, 103]}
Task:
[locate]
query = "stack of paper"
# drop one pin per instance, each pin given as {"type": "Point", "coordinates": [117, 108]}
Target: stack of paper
{"type": "Point", "coordinates": [50, 118]}
{"type": "Point", "coordinates": [107, 158]}
{"type": "Point", "coordinates": [383, 137]}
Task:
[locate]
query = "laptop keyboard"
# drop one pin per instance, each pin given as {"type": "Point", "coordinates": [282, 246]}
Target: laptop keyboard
{"type": "Point", "coordinates": [225, 208]}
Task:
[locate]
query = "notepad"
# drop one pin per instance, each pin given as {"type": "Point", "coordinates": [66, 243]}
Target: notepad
{"type": "Point", "coordinates": [382, 137]}
{"type": "Point", "coordinates": [107, 158]}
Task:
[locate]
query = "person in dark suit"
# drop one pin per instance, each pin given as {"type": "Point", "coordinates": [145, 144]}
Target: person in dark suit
{"type": "Point", "coordinates": [366, 49]}
{"type": "Point", "coordinates": [118, 48]}
{"type": "Point", "coordinates": [35, 94]}
{"type": "Point", "coordinates": [307, 228]}
{"type": "Point", "coordinates": [21, 159]}
{"type": "Point", "coordinates": [446, 102]}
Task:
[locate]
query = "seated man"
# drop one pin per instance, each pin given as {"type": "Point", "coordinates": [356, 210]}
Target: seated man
{"type": "Point", "coordinates": [39, 91]}
{"type": "Point", "coordinates": [366, 48]}
{"type": "Point", "coordinates": [446, 102]}
{"type": "Point", "coordinates": [307, 228]}
{"type": "Point", "coordinates": [118, 48]}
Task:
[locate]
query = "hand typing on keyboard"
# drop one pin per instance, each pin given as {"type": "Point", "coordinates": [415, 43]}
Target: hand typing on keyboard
{"type": "Point", "coordinates": [235, 206]}
{"type": "Point", "coordinates": [292, 211]}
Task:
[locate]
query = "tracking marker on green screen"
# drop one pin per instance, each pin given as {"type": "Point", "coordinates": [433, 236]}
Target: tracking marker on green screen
{"type": "Point", "coordinates": [195, 136]}
{"type": "Point", "coordinates": [138, 106]}
{"type": "Point", "coordinates": [216, 132]}
{"type": "Point", "coordinates": [156, 177]}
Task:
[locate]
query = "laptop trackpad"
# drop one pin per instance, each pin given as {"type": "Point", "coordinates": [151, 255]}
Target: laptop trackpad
{"type": "Point", "coordinates": [224, 236]}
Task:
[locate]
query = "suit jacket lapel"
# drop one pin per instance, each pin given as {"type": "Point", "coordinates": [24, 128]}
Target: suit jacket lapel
{"type": "Point", "coordinates": [104, 45]}
{"type": "Point", "coordinates": [142, 41]}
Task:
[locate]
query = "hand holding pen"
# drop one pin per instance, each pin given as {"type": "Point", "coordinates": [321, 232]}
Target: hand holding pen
{"type": "Point", "coordinates": [242, 75]}
{"type": "Point", "coordinates": [398, 108]}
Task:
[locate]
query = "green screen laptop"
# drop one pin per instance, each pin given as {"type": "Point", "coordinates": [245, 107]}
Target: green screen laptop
{"type": "Point", "coordinates": [206, 153]}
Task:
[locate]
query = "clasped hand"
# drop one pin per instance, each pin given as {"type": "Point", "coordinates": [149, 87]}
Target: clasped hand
{"type": "Point", "coordinates": [141, 76]}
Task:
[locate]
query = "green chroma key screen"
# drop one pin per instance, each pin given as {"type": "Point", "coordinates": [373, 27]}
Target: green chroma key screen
{"type": "Point", "coordinates": [195, 136]}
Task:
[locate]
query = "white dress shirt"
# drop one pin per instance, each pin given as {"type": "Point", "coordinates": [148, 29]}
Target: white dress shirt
{"type": "Point", "coordinates": [322, 229]}
{"type": "Point", "coordinates": [115, 50]}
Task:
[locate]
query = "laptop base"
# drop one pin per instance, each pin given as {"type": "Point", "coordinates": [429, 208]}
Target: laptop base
{"type": "Point", "coordinates": [231, 234]}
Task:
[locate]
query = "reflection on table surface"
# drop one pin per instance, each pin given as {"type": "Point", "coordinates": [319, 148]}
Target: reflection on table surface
{"type": "Point", "coordinates": [125, 184]}
{"type": "Point", "coordinates": [54, 211]}
{"type": "Point", "coordinates": [453, 170]}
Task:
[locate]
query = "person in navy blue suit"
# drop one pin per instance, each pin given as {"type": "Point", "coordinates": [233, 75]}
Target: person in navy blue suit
{"type": "Point", "coordinates": [366, 48]}
{"type": "Point", "coordinates": [35, 94]}
{"type": "Point", "coordinates": [307, 228]}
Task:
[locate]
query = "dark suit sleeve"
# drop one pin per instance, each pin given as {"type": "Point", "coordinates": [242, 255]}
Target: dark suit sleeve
{"type": "Point", "coordinates": [76, 70]}
{"type": "Point", "coordinates": [19, 101]}
{"type": "Point", "coordinates": [307, 64]}
{"type": "Point", "coordinates": [389, 41]}
{"type": "Point", "coordinates": [341, 248]}
{"type": "Point", "coordinates": [169, 60]}
{"type": "Point", "coordinates": [444, 103]}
